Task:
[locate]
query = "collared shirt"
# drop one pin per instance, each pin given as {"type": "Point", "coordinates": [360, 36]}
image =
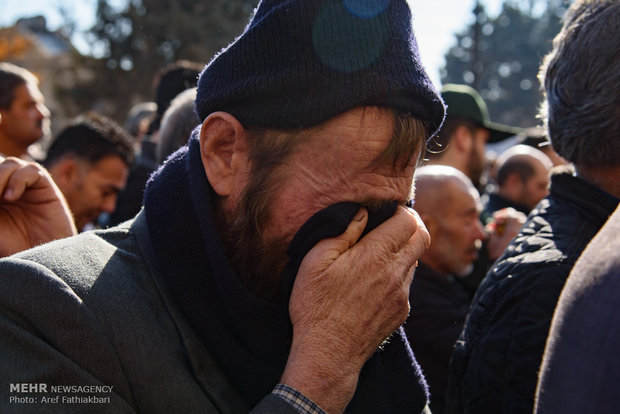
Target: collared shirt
{"type": "Point", "coordinates": [300, 402]}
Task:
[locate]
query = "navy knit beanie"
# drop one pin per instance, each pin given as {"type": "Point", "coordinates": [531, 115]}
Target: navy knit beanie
{"type": "Point", "coordinates": [300, 62]}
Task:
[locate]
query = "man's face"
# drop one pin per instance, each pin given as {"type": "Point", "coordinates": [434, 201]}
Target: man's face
{"type": "Point", "coordinates": [535, 187]}
{"type": "Point", "coordinates": [457, 235]}
{"type": "Point", "coordinates": [95, 189]}
{"type": "Point", "coordinates": [335, 164]}
{"type": "Point", "coordinates": [26, 121]}
{"type": "Point", "coordinates": [476, 161]}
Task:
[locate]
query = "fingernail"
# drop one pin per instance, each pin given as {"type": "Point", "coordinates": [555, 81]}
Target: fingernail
{"type": "Point", "coordinates": [7, 194]}
{"type": "Point", "coordinates": [360, 215]}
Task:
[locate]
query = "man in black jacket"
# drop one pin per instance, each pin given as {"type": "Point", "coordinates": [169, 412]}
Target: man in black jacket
{"type": "Point", "coordinates": [495, 365]}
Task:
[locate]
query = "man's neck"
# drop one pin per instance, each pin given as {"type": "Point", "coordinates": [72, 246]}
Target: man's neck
{"type": "Point", "coordinates": [451, 160]}
{"type": "Point", "coordinates": [605, 178]}
{"type": "Point", "coordinates": [9, 149]}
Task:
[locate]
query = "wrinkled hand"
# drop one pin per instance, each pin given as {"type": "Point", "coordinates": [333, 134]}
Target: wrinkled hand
{"type": "Point", "coordinates": [32, 208]}
{"type": "Point", "coordinates": [502, 229]}
{"type": "Point", "coordinates": [348, 297]}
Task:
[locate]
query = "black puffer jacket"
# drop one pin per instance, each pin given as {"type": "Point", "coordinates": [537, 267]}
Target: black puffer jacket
{"type": "Point", "coordinates": [496, 360]}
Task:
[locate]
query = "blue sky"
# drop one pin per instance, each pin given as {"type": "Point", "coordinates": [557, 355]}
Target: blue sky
{"type": "Point", "coordinates": [435, 22]}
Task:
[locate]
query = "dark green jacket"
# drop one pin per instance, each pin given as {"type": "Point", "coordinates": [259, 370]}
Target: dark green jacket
{"type": "Point", "coordinates": [92, 310]}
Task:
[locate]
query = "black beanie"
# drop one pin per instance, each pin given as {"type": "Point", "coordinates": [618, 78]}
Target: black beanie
{"type": "Point", "coordinates": [300, 62]}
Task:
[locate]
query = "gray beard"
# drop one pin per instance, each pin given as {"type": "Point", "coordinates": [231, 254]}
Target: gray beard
{"type": "Point", "coordinates": [465, 271]}
{"type": "Point", "coordinates": [257, 261]}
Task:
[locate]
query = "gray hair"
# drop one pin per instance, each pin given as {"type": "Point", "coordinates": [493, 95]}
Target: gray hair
{"type": "Point", "coordinates": [138, 114]}
{"type": "Point", "coordinates": [177, 124]}
{"type": "Point", "coordinates": [12, 76]}
{"type": "Point", "coordinates": [581, 82]}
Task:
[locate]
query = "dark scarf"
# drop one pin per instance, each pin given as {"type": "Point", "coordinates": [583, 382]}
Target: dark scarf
{"type": "Point", "coordinates": [250, 338]}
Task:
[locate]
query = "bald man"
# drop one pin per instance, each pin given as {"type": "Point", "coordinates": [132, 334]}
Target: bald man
{"type": "Point", "coordinates": [522, 176]}
{"type": "Point", "coordinates": [449, 205]}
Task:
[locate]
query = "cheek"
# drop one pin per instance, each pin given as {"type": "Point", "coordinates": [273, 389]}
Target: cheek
{"type": "Point", "coordinates": [445, 243]}
{"type": "Point", "coordinates": [286, 198]}
{"type": "Point", "coordinates": [292, 205]}
{"type": "Point", "coordinates": [29, 115]}
{"type": "Point", "coordinates": [90, 197]}
{"type": "Point", "coordinates": [459, 242]}
{"type": "Point", "coordinates": [544, 191]}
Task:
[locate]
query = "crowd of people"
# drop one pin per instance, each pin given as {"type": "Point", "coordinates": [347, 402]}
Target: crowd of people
{"type": "Point", "coordinates": [306, 225]}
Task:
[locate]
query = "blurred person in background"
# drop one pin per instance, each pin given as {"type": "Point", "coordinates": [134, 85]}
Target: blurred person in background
{"type": "Point", "coordinates": [33, 211]}
{"type": "Point", "coordinates": [521, 174]}
{"type": "Point", "coordinates": [462, 140]}
{"type": "Point", "coordinates": [138, 120]}
{"type": "Point", "coordinates": [461, 143]}
{"type": "Point", "coordinates": [169, 81]}
{"type": "Point", "coordinates": [537, 138]}
{"type": "Point", "coordinates": [24, 118]}
{"type": "Point", "coordinates": [89, 160]}
{"type": "Point", "coordinates": [497, 358]}
{"type": "Point", "coordinates": [177, 124]}
{"type": "Point", "coordinates": [449, 206]}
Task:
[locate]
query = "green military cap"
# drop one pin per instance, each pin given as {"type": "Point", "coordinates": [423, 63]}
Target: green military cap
{"type": "Point", "coordinates": [463, 101]}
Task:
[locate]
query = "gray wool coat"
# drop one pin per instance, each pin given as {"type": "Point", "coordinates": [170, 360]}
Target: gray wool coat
{"type": "Point", "coordinates": [90, 313]}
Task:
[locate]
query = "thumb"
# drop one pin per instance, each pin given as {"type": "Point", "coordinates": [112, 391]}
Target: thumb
{"type": "Point", "coordinates": [328, 250]}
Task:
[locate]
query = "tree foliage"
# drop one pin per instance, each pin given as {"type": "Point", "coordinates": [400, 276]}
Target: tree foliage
{"type": "Point", "coordinates": [129, 44]}
{"type": "Point", "coordinates": [500, 57]}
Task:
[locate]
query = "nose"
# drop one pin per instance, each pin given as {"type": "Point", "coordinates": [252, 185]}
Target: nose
{"type": "Point", "coordinates": [109, 204]}
{"type": "Point", "coordinates": [44, 112]}
{"type": "Point", "coordinates": [479, 232]}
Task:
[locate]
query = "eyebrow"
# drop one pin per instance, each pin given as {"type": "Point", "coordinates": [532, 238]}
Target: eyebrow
{"type": "Point", "coordinates": [375, 203]}
{"type": "Point", "coordinates": [112, 188]}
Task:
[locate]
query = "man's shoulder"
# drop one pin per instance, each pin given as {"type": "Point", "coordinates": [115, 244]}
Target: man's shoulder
{"type": "Point", "coordinates": [494, 202]}
{"type": "Point", "coordinates": [533, 263]}
{"type": "Point", "coordinates": [516, 298]}
{"type": "Point", "coordinates": [79, 260]}
{"type": "Point", "coordinates": [531, 253]}
{"type": "Point", "coordinates": [549, 242]}
{"type": "Point", "coordinates": [87, 310]}
{"type": "Point", "coordinates": [93, 265]}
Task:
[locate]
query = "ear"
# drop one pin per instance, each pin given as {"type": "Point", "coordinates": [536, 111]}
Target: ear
{"type": "Point", "coordinates": [513, 186]}
{"type": "Point", "coordinates": [430, 223]}
{"type": "Point", "coordinates": [64, 173]}
{"type": "Point", "coordinates": [462, 139]}
{"type": "Point", "coordinates": [224, 153]}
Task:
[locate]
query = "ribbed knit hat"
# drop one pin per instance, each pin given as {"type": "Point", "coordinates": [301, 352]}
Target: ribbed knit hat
{"type": "Point", "coordinates": [300, 62]}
